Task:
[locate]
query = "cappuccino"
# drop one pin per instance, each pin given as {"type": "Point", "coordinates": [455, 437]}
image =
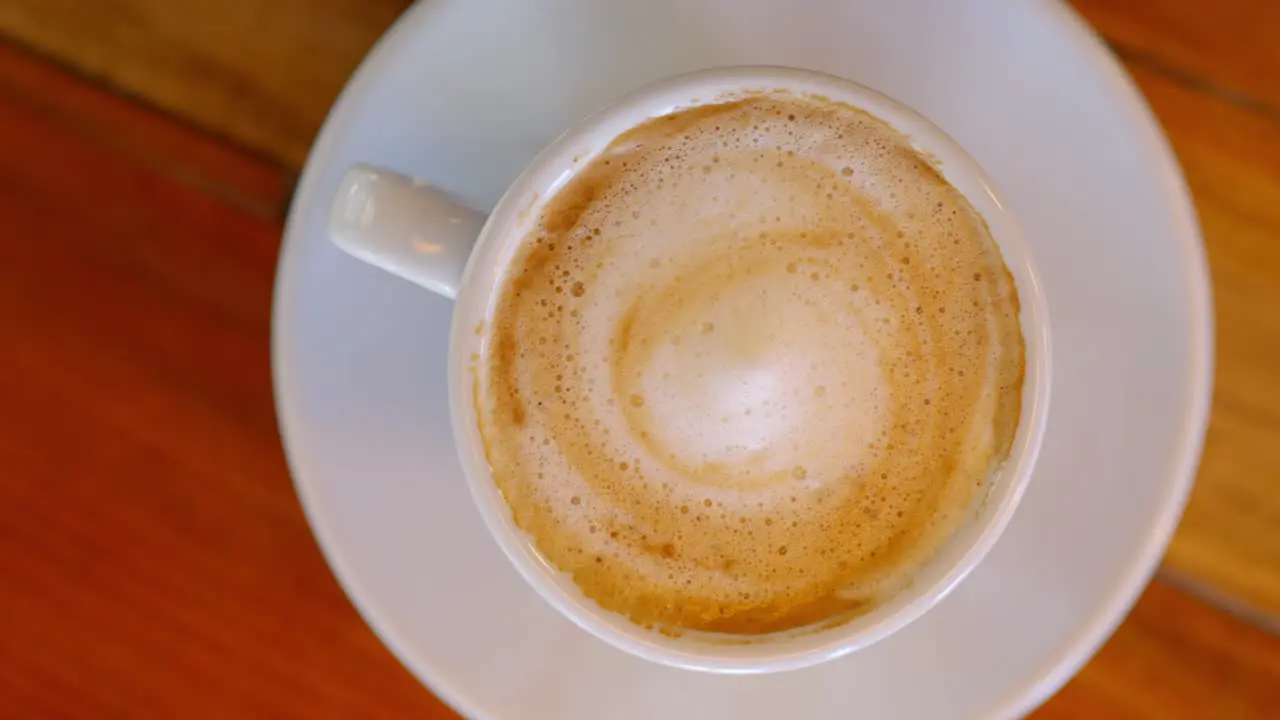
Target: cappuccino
{"type": "Point", "coordinates": [752, 367]}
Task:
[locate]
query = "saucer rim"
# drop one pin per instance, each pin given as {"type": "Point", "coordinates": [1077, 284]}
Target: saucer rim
{"type": "Point", "coordinates": [1087, 638]}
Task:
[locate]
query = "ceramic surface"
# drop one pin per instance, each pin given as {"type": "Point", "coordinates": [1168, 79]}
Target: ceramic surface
{"type": "Point", "coordinates": [463, 93]}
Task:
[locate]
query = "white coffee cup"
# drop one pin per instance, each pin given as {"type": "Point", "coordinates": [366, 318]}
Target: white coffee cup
{"type": "Point", "coordinates": [423, 235]}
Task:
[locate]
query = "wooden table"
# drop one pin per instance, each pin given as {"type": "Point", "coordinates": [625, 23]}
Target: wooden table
{"type": "Point", "coordinates": [153, 558]}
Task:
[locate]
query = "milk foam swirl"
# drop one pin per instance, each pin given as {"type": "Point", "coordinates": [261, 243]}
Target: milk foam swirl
{"type": "Point", "coordinates": [752, 368]}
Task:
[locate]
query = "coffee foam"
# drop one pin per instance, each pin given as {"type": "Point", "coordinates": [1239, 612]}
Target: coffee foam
{"type": "Point", "coordinates": [751, 369]}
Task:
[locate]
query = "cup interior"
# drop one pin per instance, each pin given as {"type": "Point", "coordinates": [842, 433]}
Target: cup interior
{"type": "Point", "coordinates": [495, 251]}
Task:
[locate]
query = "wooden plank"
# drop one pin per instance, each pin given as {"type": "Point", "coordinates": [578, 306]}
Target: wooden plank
{"type": "Point", "coordinates": [154, 558]}
{"type": "Point", "coordinates": [264, 74]}
{"type": "Point", "coordinates": [1229, 47]}
{"type": "Point", "coordinates": [261, 73]}
{"type": "Point", "coordinates": [1229, 538]}
{"type": "Point", "coordinates": [198, 161]}
{"type": "Point", "coordinates": [1176, 657]}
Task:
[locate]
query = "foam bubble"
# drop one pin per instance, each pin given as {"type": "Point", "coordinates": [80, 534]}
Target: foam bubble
{"type": "Point", "coordinates": [804, 335]}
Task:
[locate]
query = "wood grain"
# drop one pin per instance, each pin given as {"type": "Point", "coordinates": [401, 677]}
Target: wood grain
{"type": "Point", "coordinates": [155, 562]}
{"type": "Point", "coordinates": [1176, 657]}
{"type": "Point", "coordinates": [260, 73]}
{"type": "Point", "coordinates": [1229, 48]}
{"type": "Point", "coordinates": [196, 160]}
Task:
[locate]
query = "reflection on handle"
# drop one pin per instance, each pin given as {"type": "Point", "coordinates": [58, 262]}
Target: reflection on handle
{"type": "Point", "coordinates": [405, 227]}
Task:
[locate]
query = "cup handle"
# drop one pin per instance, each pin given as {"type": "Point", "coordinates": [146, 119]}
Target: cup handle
{"type": "Point", "coordinates": [404, 226]}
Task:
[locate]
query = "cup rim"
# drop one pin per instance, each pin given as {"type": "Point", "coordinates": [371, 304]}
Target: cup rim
{"type": "Point", "coordinates": [544, 176]}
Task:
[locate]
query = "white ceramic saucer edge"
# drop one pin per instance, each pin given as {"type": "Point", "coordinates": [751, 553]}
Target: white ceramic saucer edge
{"type": "Point", "coordinates": [347, 102]}
{"type": "Point", "coordinates": [1199, 393]}
{"type": "Point", "coordinates": [1087, 638]}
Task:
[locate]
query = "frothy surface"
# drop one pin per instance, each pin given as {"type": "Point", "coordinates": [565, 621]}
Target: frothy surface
{"type": "Point", "coordinates": [751, 369]}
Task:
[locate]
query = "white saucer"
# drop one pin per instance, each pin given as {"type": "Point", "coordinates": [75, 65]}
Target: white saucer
{"type": "Point", "coordinates": [463, 92]}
